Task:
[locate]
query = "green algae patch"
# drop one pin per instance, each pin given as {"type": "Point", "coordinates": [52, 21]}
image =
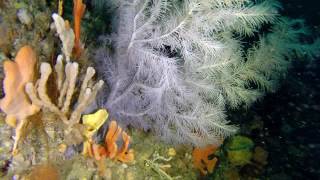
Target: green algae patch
{"type": "Point", "coordinates": [239, 150]}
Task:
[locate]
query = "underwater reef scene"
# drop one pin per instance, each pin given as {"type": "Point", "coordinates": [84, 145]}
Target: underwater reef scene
{"type": "Point", "coordinates": [159, 89]}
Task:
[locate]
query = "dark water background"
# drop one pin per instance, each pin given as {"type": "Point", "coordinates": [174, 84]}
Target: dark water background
{"type": "Point", "coordinates": [291, 116]}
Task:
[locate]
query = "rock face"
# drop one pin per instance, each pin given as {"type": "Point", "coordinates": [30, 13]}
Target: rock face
{"type": "Point", "coordinates": [154, 160]}
{"type": "Point", "coordinates": [26, 22]}
{"type": "Point", "coordinates": [5, 145]}
{"type": "Point", "coordinates": [24, 16]}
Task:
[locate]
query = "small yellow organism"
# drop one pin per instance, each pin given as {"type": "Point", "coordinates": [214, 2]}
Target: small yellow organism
{"type": "Point", "coordinates": [60, 7]}
{"type": "Point", "coordinates": [172, 152]}
{"type": "Point", "coordinates": [94, 121]}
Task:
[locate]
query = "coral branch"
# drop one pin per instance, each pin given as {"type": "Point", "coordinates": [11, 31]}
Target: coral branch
{"type": "Point", "coordinates": [125, 155]}
{"type": "Point", "coordinates": [73, 73]}
{"type": "Point", "coordinates": [78, 12]}
{"type": "Point", "coordinates": [66, 35]}
{"type": "Point", "coordinates": [40, 96]}
{"type": "Point", "coordinates": [59, 70]}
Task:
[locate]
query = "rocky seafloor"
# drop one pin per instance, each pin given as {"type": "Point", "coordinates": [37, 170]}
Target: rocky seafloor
{"type": "Point", "coordinates": [153, 160]}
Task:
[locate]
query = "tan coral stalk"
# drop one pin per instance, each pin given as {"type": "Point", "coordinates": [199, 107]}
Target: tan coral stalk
{"type": "Point", "coordinates": [66, 35]}
{"type": "Point", "coordinates": [75, 116]}
{"type": "Point", "coordinates": [46, 70]}
{"type": "Point", "coordinates": [67, 88]}
{"type": "Point", "coordinates": [89, 74]}
{"type": "Point", "coordinates": [43, 100]}
{"type": "Point", "coordinates": [19, 131]}
{"type": "Point", "coordinates": [65, 85]}
{"type": "Point", "coordinates": [59, 70]}
{"type": "Point", "coordinates": [84, 101]}
{"type": "Point", "coordinates": [73, 73]}
{"type": "Point", "coordinates": [95, 90]}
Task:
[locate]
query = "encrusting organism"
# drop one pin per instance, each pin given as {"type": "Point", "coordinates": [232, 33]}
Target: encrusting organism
{"type": "Point", "coordinates": [15, 103]}
{"type": "Point", "coordinates": [154, 163]}
{"type": "Point", "coordinates": [204, 159]}
{"type": "Point", "coordinates": [47, 171]}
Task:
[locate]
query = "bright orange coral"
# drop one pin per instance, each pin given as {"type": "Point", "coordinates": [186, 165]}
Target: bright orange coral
{"type": "Point", "coordinates": [111, 138]}
{"type": "Point", "coordinates": [125, 155]}
{"type": "Point", "coordinates": [98, 151]}
{"type": "Point", "coordinates": [15, 103]}
{"type": "Point", "coordinates": [78, 12]}
{"type": "Point", "coordinates": [204, 159]}
{"type": "Point", "coordinates": [110, 147]}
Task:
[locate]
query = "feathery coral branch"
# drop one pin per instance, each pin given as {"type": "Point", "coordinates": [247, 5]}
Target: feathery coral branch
{"type": "Point", "coordinates": [175, 65]}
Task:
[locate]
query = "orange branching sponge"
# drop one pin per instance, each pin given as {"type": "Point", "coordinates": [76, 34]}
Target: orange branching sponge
{"type": "Point", "coordinates": [78, 12]}
{"type": "Point", "coordinates": [15, 103]}
{"type": "Point", "coordinates": [125, 155]}
{"type": "Point", "coordinates": [204, 159]}
{"type": "Point", "coordinates": [110, 147]}
{"type": "Point", "coordinates": [111, 139]}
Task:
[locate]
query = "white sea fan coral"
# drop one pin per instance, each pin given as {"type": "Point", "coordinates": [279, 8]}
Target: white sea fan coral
{"type": "Point", "coordinates": [176, 64]}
